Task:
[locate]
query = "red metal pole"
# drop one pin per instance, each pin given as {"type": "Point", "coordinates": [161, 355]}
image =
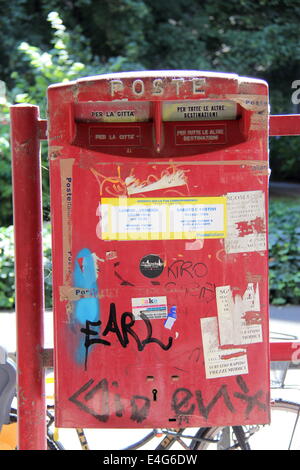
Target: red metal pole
{"type": "Point", "coordinates": [27, 201]}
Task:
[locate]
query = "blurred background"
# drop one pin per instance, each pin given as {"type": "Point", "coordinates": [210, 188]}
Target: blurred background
{"type": "Point", "coordinates": [49, 41]}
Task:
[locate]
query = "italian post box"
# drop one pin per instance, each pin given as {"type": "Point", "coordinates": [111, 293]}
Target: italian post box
{"type": "Point", "coordinates": [159, 188]}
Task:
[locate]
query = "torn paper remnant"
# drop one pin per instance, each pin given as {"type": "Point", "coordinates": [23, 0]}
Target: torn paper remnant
{"type": "Point", "coordinates": [220, 362]}
{"type": "Point", "coordinates": [239, 317]}
{"type": "Point", "coordinates": [246, 222]}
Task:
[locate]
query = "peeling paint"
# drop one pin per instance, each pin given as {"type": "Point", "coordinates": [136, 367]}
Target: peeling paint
{"type": "Point", "coordinates": [195, 245]}
{"type": "Point", "coordinates": [167, 180]}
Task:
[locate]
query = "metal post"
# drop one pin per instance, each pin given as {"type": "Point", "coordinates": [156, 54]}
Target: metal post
{"type": "Point", "coordinates": [27, 201]}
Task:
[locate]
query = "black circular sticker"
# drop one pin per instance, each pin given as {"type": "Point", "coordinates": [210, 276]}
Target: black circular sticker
{"type": "Point", "coordinates": [151, 266]}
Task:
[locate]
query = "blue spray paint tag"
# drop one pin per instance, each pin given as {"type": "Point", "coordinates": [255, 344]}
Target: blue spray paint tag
{"type": "Point", "coordinates": [86, 309]}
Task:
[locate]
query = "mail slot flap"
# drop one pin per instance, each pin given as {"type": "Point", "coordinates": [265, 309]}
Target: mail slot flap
{"type": "Point", "coordinates": [179, 137]}
{"type": "Point", "coordinates": [129, 111]}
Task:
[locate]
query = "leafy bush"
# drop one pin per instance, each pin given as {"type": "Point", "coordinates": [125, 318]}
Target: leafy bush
{"type": "Point", "coordinates": [7, 276]}
{"type": "Point", "coordinates": [5, 161]}
{"type": "Point", "coordinates": [68, 59]}
{"type": "Point", "coordinates": [284, 252]}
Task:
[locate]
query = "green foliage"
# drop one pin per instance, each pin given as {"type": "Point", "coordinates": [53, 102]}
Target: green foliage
{"type": "Point", "coordinates": [54, 41]}
{"type": "Point", "coordinates": [7, 276]}
{"type": "Point", "coordinates": [59, 64]}
{"type": "Point", "coordinates": [284, 252]}
{"type": "Point", "coordinates": [5, 160]}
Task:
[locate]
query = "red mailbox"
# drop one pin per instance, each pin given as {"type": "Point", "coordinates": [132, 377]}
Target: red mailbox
{"type": "Point", "coordinates": [159, 187]}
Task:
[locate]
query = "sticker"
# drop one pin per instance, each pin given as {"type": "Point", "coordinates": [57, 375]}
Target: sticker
{"type": "Point", "coordinates": [152, 307]}
{"type": "Point", "coordinates": [246, 222]}
{"type": "Point", "coordinates": [151, 266]}
{"type": "Point", "coordinates": [258, 104]}
{"type": "Point", "coordinates": [66, 172]}
{"type": "Point", "coordinates": [200, 110]}
{"type": "Point", "coordinates": [220, 362]}
{"type": "Point", "coordinates": [191, 135]}
{"type": "Point", "coordinates": [239, 317]}
{"type": "Point", "coordinates": [171, 319]}
{"type": "Point", "coordinates": [163, 219]}
{"type": "Point", "coordinates": [115, 136]}
{"type": "Point", "coordinates": [195, 245]}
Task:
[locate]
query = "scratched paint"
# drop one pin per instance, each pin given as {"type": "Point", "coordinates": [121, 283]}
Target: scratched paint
{"type": "Point", "coordinates": [117, 184]}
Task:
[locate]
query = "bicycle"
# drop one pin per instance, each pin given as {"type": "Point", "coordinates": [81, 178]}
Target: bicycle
{"type": "Point", "coordinates": [212, 438]}
{"type": "Point", "coordinates": [285, 414]}
{"type": "Point", "coordinates": [282, 434]}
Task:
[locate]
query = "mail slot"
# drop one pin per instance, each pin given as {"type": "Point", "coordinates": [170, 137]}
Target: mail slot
{"type": "Point", "coordinates": [159, 199]}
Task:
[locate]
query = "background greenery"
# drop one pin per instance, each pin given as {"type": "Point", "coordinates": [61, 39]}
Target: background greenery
{"type": "Point", "coordinates": [44, 42]}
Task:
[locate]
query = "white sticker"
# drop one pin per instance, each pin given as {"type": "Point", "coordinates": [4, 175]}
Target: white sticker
{"type": "Point", "coordinates": [239, 317]}
{"type": "Point", "coordinates": [220, 362]}
{"type": "Point", "coordinates": [200, 110]}
{"type": "Point", "coordinates": [246, 222]}
{"type": "Point", "coordinates": [151, 307]}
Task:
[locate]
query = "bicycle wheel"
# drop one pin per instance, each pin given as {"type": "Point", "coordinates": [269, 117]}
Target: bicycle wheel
{"type": "Point", "coordinates": [282, 434]}
{"type": "Point", "coordinates": [200, 439]}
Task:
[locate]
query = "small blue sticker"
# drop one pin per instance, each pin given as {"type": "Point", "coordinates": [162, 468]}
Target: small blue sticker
{"type": "Point", "coordinates": [171, 318]}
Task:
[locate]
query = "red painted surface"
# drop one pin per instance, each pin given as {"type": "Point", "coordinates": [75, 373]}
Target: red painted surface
{"type": "Point", "coordinates": [25, 128]}
{"type": "Point", "coordinates": [112, 385]}
{"type": "Point", "coordinates": [179, 147]}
